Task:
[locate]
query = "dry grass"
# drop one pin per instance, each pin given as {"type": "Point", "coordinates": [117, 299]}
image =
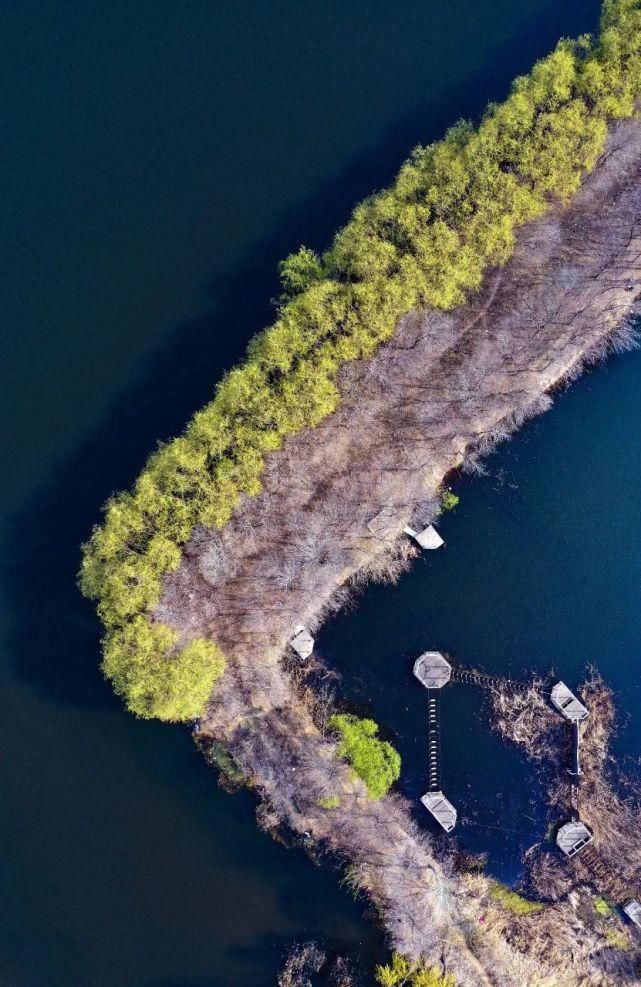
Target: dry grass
{"type": "Point", "coordinates": [608, 803]}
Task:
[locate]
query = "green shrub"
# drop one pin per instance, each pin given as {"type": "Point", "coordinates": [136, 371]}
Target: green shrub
{"type": "Point", "coordinates": [512, 902]}
{"type": "Point", "coordinates": [401, 973]}
{"type": "Point", "coordinates": [329, 802]}
{"type": "Point", "coordinates": [219, 757]}
{"type": "Point", "coordinates": [617, 939]}
{"type": "Point", "coordinates": [427, 240]}
{"type": "Point", "coordinates": [373, 760]}
{"type": "Point", "coordinates": [449, 500]}
{"type": "Point", "coordinates": [602, 907]}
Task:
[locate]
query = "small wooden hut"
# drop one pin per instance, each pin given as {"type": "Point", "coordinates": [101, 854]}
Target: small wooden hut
{"type": "Point", "coordinates": [428, 538]}
{"type": "Point", "coordinates": [442, 810]}
{"type": "Point", "coordinates": [302, 642]}
{"type": "Point", "coordinates": [432, 670]}
{"type": "Point", "coordinates": [573, 837]}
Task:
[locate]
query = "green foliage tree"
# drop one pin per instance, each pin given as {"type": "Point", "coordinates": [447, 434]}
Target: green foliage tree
{"type": "Point", "coordinates": [374, 761]}
{"type": "Point", "coordinates": [299, 271]}
{"type": "Point", "coordinates": [156, 678]}
{"type": "Point", "coordinates": [427, 240]}
{"type": "Point", "coordinates": [449, 500]}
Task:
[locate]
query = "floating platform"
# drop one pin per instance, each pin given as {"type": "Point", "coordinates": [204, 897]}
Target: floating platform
{"type": "Point", "coordinates": [432, 670]}
{"type": "Point", "coordinates": [302, 642]}
{"type": "Point", "coordinates": [632, 909]}
{"type": "Point", "coordinates": [428, 538]}
{"type": "Point", "coordinates": [442, 810]}
{"type": "Point", "coordinates": [573, 837]}
{"type": "Point", "coordinates": [567, 704]}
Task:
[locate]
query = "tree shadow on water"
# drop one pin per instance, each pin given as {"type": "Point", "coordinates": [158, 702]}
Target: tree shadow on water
{"type": "Point", "coordinates": [54, 635]}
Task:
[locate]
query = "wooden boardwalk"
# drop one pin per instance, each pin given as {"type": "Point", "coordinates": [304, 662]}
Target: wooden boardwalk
{"type": "Point", "coordinates": [473, 677]}
{"type": "Point", "coordinates": [434, 739]}
{"type": "Point", "coordinates": [607, 881]}
{"type": "Point", "coordinates": [589, 859]}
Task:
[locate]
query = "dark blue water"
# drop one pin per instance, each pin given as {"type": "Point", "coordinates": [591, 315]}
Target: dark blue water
{"type": "Point", "coordinates": [541, 571]}
{"type": "Point", "coordinates": [158, 160]}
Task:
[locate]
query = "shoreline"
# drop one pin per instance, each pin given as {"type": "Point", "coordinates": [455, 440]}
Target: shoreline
{"type": "Point", "coordinates": [258, 712]}
{"type": "Point", "coordinates": [573, 281]}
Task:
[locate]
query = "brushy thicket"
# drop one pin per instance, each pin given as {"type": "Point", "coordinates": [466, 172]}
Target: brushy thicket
{"type": "Point", "coordinates": [373, 760]}
{"type": "Point", "coordinates": [427, 240]}
{"type": "Point", "coordinates": [401, 973]}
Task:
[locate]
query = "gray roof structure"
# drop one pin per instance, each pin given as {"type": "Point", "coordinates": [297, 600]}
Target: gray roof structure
{"type": "Point", "coordinates": [302, 642]}
{"type": "Point", "coordinates": [432, 670]}
{"type": "Point", "coordinates": [573, 837]}
{"type": "Point", "coordinates": [567, 703]}
{"type": "Point", "coordinates": [442, 810]}
{"type": "Point", "coordinates": [632, 909]}
{"type": "Point", "coordinates": [428, 538]}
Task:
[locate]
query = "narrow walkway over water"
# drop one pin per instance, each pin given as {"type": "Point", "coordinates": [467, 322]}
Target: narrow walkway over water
{"type": "Point", "coordinates": [434, 670]}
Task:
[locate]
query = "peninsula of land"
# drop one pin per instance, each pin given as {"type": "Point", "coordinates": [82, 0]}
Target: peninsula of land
{"type": "Point", "coordinates": [441, 393]}
{"type": "Point", "coordinates": [503, 261]}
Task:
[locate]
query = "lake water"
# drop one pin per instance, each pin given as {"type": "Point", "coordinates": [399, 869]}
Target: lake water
{"type": "Point", "coordinates": [158, 161]}
{"type": "Point", "coordinates": [541, 571]}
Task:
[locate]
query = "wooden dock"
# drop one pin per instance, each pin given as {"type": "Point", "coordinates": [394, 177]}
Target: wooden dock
{"type": "Point", "coordinates": [472, 676]}
{"type": "Point", "coordinates": [434, 740]}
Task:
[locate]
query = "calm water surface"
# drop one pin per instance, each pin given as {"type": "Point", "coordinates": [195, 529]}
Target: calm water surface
{"type": "Point", "coordinates": [158, 161]}
{"type": "Point", "coordinates": [541, 571]}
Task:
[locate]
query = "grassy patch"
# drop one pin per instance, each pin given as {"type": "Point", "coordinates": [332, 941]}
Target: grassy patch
{"type": "Point", "coordinates": [602, 907]}
{"type": "Point", "coordinates": [617, 939]}
{"type": "Point", "coordinates": [401, 973]}
{"type": "Point", "coordinates": [511, 901]}
{"type": "Point", "coordinates": [329, 802]}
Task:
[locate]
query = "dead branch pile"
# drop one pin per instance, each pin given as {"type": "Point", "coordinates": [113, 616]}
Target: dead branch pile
{"type": "Point", "coordinates": [303, 960]}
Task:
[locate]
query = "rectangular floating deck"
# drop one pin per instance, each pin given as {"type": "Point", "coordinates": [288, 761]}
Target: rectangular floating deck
{"type": "Point", "coordinates": [567, 703]}
{"type": "Point", "coordinates": [632, 909]}
{"type": "Point", "coordinates": [573, 837]}
{"type": "Point", "coordinates": [442, 810]}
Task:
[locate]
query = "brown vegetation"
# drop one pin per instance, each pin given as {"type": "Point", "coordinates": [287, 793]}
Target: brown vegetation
{"type": "Point", "coordinates": [608, 802]}
{"type": "Point", "coordinates": [305, 959]}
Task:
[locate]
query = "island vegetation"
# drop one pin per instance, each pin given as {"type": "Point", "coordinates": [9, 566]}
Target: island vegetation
{"type": "Point", "coordinates": [374, 761]}
{"type": "Point", "coordinates": [427, 241]}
